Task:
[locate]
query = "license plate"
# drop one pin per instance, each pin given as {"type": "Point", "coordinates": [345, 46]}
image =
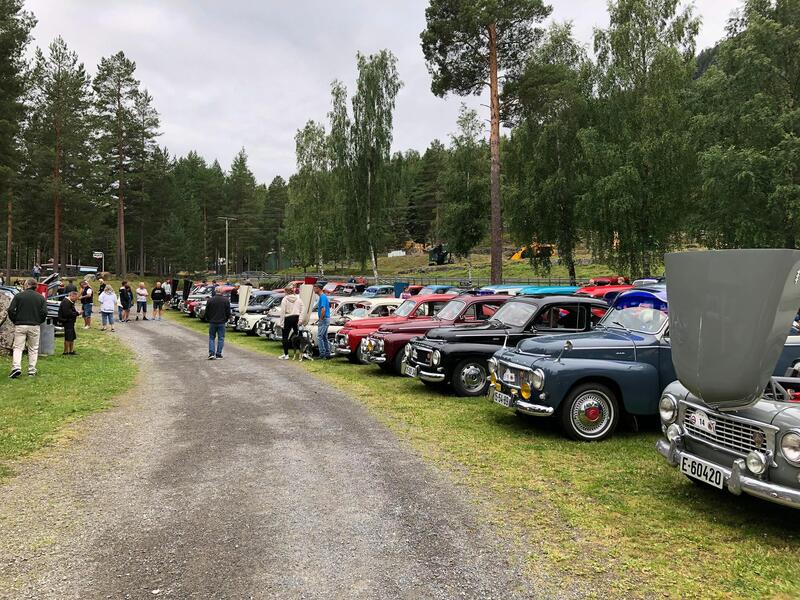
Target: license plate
{"type": "Point", "coordinates": [502, 399]}
{"type": "Point", "coordinates": [703, 471]}
{"type": "Point", "coordinates": [411, 371]}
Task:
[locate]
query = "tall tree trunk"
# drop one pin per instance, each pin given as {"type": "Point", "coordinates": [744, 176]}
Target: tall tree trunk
{"type": "Point", "coordinates": [122, 262]}
{"type": "Point", "coordinates": [57, 200]}
{"type": "Point", "coordinates": [573, 276]}
{"type": "Point", "coordinates": [141, 247]}
{"type": "Point", "coordinates": [371, 246]}
{"type": "Point", "coordinates": [494, 175]}
{"type": "Point", "coordinates": [9, 235]}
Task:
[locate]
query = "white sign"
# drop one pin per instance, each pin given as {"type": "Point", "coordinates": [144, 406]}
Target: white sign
{"type": "Point", "coordinates": [97, 255]}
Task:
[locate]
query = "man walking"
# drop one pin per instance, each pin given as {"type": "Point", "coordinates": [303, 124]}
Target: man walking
{"type": "Point", "coordinates": [87, 299]}
{"type": "Point", "coordinates": [28, 310]}
{"type": "Point", "coordinates": [218, 311]}
{"type": "Point", "coordinates": [67, 315]}
{"type": "Point", "coordinates": [159, 296]}
{"type": "Point", "coordinates": [324, 314]}
{"type": "Point", "coordinates": [141, 301]}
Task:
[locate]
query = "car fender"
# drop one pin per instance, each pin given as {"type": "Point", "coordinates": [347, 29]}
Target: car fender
{"type": "Point", "coordinates": [636, 383]}
{"type": "Point", "coordinates": [452, 354]}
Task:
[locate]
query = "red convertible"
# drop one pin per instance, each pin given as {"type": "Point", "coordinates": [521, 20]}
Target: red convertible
{"type": "Point", "coordinates": [348, 340]}
{"type": "Point", "coordinates": [385, 346]}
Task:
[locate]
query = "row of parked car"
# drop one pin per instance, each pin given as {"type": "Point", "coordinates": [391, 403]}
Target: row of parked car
{"type": "Point", "coordinates": [591, 357]}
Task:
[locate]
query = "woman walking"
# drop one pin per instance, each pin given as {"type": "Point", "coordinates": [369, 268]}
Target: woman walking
{"type": "Point", "coordinates": [290, 310]}
{"type": "Point", "coordinates": [108, 304]}
{"type": "Point", "coordinates": [125, 302]}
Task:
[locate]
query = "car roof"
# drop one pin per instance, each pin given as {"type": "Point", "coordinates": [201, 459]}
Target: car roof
{"type": "Point", "coordinates": [541, 300]}
{"type": "Point", "coordinates": [433, 298]}
{"type": "Point", "coordinates": [385, 300]}
{"type": "Point", "coordinates": [472, 298]}
{"type": "Point", "coordinates": [659, 290]}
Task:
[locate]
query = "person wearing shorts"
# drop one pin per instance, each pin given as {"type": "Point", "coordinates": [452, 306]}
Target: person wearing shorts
{"type": "Point", "coordinates": [67, 314]}
{"type": "Point", "coordinates": [108, 304]}
{"type": "Point", "coordinates": [141, 301]}
{"type": "Point", "coordinates": [87, 298]}
{"type": "Point", "coordinates": [159, 296]}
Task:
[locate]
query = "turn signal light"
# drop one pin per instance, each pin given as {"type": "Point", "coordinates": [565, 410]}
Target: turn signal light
{"type": "Point", "coordinates": [525, 390]}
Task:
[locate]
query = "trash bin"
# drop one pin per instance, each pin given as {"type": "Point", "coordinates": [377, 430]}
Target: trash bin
{"type": "Point", "coordinates": [47, 338]}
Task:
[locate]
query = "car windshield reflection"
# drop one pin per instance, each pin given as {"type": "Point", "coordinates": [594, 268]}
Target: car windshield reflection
{"type": "Point", "coordinates": [451, 310]}
{"type": "Point", "coordinates": [515, 314]}
{"type": "Point", "coordinates": [642, 313]}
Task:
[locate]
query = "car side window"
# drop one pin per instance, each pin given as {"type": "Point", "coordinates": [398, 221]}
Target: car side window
{"type": "Point", "coordinates": [471, 313]}
{"type": "Point", "coordinates": [560, 317]}
{"type": "Point", "coordinates": [487, 311]}
{"type": "Point", "coordinates": [435, 307]}
{"type": "Point", "coordinates": [381, 311]}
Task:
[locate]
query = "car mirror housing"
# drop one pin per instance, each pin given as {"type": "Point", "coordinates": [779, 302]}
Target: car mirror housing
{"type": "Point", "coordinates": [727, 335]}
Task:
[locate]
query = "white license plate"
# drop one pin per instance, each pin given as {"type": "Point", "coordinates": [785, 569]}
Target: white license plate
{"type": "Point", "coordinates": [509, 377]}
{"type": "Point", "coordinates": [703, 471]}
{"type": "Point", "coordinates": [411, 371]}
{"type": "Point", "coordinates": [501, 398]}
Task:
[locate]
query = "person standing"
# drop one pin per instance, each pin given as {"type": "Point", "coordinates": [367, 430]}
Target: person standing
{"type": "Point", "coordinates": [108, 304]}
{"type": "Point", "coordinates": [70, 287]}
{"type": "Point", "coordinates": [141, 301]}
{"type": "Point", "coordinates": [324, 316]}
{"type": "Point", "coordinates": [167, 290]}
{"type": "Point", "coordinates": [27, 311]}
{"type": "Point", "coordinates": [159, 296]}
{"type": "Point", "coordinates": [87, 299]}
{"type": "Point", "coordinates": [218, 311]}
{"type": "Point", "coordinates": [101, 285]}
{"type": "Point", "coordinates": [289, 318]}
{"type": "Point", "coordinates": [37, 271]}
{"type": "Point", "coordinates": [67, 314]}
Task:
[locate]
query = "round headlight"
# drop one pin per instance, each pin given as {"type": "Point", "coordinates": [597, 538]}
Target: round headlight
{"type": "Point", "coordinates": [370, 345]}
{"type": "Point", "coordinates": [537, 379]}
{"type": "Point", "coordinates": [674, 432]}
{"type": "Point", "coordinates": [492, 365]}
{"type": "Point", "coordinates": [407, 350]}
{"type": "Point", "coordinates": [525, 390]}
{"type": "Point", "coordinates": [668, 408]}
{"type": "Point", "coordinates": [436, 357]}
{"type": "Point", "coordinates": [756, 462]}
{"type": "Point", "coordinates": [790, 447]}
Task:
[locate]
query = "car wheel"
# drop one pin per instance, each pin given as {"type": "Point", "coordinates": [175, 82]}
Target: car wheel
{"type": "Point", "coordinates": [353, 357]}
{"type": "Point", "coordinates": [398, 362]}
{"type": "Point", "coordinates": [590, 412]}
{"type": "Point", "coordinates": [359, 356]}
{"type": "Point", "coordinates": [470, 378]}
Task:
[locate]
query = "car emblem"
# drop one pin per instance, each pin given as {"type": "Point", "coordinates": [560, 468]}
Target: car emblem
{"type": "Point", "coordinates": [759, 438]}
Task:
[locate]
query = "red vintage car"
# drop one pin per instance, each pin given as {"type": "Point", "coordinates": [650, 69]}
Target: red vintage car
{"type": "Point", "coordinates": [609, 280]}
{"type": "Point", "coordinates": [348, 340]}
{"type": "Point", "coordinates": [385, 346]}
{"type": "Point", "coordinates": [603, 292]}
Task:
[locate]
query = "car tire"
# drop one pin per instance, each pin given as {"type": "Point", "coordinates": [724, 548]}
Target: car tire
{"type": "Point", "coordinates": [386, 367]}
{"type": "Point", "coordinates": [471, 378]}
{"type": "Point", "coordinates": [359, 356]}
{"type": "Point", "coordinates": [398, 362]}
{"type": "Point", "coordinates": [353, 358]}
{"type": "Point", "coordinates": [590, 412]}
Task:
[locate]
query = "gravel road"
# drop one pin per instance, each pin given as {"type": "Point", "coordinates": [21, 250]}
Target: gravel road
{"type": "Point", "coordinates": [241, 478]}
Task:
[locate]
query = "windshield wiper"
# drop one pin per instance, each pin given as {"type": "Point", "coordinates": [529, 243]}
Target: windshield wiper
{"type": "Point", "coordinates": [623, 326]}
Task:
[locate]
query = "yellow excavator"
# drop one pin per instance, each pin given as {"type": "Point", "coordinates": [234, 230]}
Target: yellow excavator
{"type": "Point", "coordinates": [535, 250]}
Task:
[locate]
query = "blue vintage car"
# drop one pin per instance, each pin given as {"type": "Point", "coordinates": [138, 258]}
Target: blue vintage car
{"type": "Point", "coordinates": [548, 290]}
{"type": "Point", "coordinates": [588, 380]}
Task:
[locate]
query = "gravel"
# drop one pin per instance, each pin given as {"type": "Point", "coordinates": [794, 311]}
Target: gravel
{"type": "Point", "coordinates": [242, 478]}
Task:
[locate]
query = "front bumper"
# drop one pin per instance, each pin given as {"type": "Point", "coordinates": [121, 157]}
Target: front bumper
{"type": "Point", "coordinates": [520, 405]}
{"type": "Point", "coordinates": [737, 478]}
{"type": "Point", "coordinates": [377, 359]}
{"type": "Point", "coordinates": [431, 376]}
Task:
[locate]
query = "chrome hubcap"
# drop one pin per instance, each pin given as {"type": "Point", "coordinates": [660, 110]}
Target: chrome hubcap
{"type": "Point", "coordinates": [592, 414]}
{"type": "Point", "coordinates": [473, 377]}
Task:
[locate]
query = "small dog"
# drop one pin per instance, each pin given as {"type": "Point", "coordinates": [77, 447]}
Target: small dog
{"type": "Point", "coordinates": [301, 345]}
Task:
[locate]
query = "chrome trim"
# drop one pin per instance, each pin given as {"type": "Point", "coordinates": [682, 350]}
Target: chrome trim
{"type": "Point", "coordinates": [735, 479]}
{"type": "Point", "coordinates": [376, 359]}
{"type": "Point", "coordinates": [339, 350]}
{"type": "Point", "coordinates": [779, 446]}
{"type": "Point", "coordinates": [514, 365]}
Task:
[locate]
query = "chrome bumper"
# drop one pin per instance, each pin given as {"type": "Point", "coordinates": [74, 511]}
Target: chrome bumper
{"type": "Point", "coordinates": [342, 351]}
{"type": "Point", "coordinates": [432, 377]}
{"type": "Point", "coordinates": [535, 410]}
{"type": "Point", "coordinates": [378, 359]}
{"type": "Point", "coordinates": [736, 479]}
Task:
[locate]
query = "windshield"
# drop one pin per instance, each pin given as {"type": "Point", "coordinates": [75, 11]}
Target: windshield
{"type": "Point", "coordinates": [371, 291]}
{"type": "Point", "coordinates": [451, 310]}
{"type": "Point", "coordinates": [430, 289]}
{"type": "Point", "coordinates": [330, 287]}
{"type": "Point", "coordinates": [405, 308]}
{"type": "Point", "coordinates": [515, 314]}
{"type": "Point", "coordinates": [638, 312]}
{"type": "Point", "coordinates": [358, 313]}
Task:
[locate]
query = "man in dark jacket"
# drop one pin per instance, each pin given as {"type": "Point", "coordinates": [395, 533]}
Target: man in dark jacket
{"type": "Point", "coordinates": [218, 311]}
{"type": "Point", "coordinates": [67, 314]}
{"type": "Point", "coordinates": [28, 310]}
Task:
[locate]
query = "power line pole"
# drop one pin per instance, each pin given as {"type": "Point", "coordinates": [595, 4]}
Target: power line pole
{"type": "Point", "coordinates": [227, 220]}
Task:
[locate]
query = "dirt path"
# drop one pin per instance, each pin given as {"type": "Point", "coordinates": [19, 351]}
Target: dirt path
{"type": "Point", "coordinates": [241, 478]}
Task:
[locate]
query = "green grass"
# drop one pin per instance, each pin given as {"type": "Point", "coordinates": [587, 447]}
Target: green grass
{"type": "Point", "coordinates": [611, 515]}
{"type": "Point", "coordinates": [32, 410]}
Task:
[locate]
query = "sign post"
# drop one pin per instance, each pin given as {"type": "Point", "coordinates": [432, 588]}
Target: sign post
{"type": "Point", "coordinates": [102, 256]}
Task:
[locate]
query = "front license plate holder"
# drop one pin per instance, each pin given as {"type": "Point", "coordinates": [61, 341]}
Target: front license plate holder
{"type": "Point", "coordinates": [411, 371]}
{"type": "Point", "coordinates": [702, 471]}
{"type": "Point", "coordinates": [502, 399]}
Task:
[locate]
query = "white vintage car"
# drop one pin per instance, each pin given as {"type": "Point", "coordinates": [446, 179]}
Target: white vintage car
{"type": "Point", "coordinates": [349, 309]}
{"type": "Point", "coordinates": [259, 306]}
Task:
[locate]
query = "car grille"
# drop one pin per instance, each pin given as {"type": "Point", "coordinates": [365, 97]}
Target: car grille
{"type": "Point", "coordinates": [729, 433]}
{"type": "Point", "coordinates": [422, 356]}
{"type": "Point", "coordinates": [341, 341]}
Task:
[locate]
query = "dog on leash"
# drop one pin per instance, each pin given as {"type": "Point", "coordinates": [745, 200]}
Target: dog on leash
{"type": "Point", "coordinates": [301, 345]}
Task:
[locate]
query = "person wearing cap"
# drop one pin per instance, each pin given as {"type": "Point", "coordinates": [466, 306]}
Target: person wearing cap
{"type": "Point", "coordinates": [28, 310]}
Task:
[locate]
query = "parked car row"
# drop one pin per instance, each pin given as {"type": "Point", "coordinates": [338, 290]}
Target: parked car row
{"type": "Point", "coordinates": [594, 357]}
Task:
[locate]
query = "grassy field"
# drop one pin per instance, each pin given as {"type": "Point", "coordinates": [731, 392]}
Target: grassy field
{"type": "Point", "coordinates": [612, 515]}
{"type": "Point", "coordinates": [32, 410]}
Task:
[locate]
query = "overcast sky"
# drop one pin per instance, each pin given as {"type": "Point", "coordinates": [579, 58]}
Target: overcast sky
{"type": "Point", "coordinates": [249, 73]}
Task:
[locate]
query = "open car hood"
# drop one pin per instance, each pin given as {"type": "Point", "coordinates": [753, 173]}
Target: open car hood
{"type": "Point", "coordinates": [730, 314]}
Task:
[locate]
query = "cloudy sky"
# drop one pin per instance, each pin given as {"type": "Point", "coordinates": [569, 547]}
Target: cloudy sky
{"type": "Point", "coordinates": [249, 73]}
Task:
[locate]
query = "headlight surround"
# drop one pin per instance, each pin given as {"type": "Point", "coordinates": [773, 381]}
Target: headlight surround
{"type": "Point", "coordinates": [756, 462]}
{"type": "Point", "coordinates": [668, 408]}
{"type": "Point", "coordinates": [436, 357]}
{"type": "Point", "coordinates": [407, 350]}
{"type": "Point", "coordinates": [537, 379]}
{"type": "Point", "coordinates": [492, 364]}
{"type": "Point", "coordinates": [790, 447]}
{"type": "Point", "coordinates": [525, 390]}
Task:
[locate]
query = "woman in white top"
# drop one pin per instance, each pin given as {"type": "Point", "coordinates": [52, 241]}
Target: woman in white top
{"type": "Point", "coordinates": [290, 311]}
{"type": "Point", "coordinates": [108, 304]}
{"type": "Point", "coordinates": [141, 301]}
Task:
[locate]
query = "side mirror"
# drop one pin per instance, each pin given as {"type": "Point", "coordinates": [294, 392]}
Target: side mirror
{"type": "Point", "coordinates": [567, 348]}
